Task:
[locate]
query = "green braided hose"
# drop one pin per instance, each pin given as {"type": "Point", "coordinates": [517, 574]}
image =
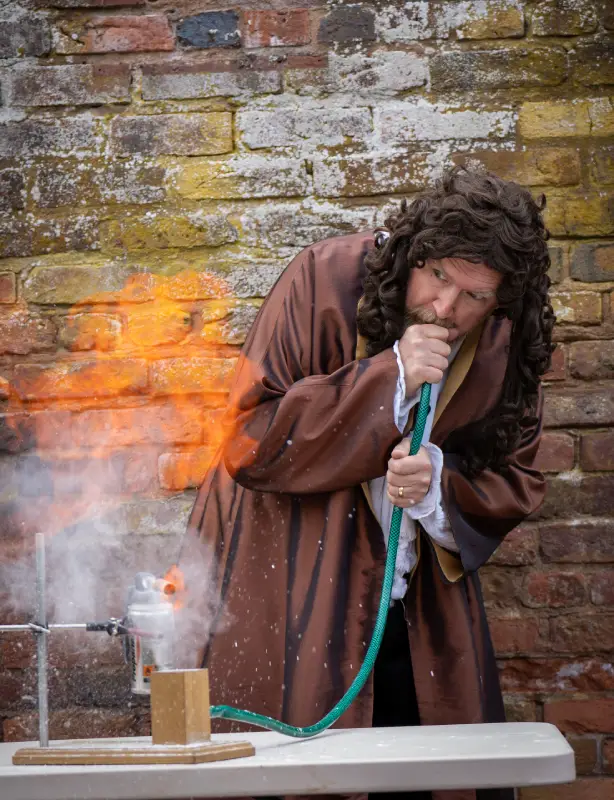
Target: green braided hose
{"type": "Point", "coordinates": [261, 721]}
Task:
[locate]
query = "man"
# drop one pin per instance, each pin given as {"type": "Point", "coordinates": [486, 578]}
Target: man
{"type": "Point", "coordinates": [453, 292]}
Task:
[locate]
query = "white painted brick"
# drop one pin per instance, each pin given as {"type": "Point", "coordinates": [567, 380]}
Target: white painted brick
{"type": "Point", "coordinates": [309, 128]}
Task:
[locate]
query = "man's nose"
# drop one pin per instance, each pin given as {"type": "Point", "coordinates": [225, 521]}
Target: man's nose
{"type": "Point", "coordinates": [445, 302]}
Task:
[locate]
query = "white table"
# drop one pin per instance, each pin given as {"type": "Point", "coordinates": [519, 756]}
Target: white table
{"type": "Point", "coordinates": [338, 761]}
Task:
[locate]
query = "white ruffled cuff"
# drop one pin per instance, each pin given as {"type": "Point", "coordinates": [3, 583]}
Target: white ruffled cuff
{"type": "Point", "coordinates": [402, 404]}
{"type": "Point", "coordinates": [432, 498]}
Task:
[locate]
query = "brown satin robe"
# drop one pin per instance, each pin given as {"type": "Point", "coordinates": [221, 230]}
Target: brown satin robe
{"type": "Point", "coordinates": [300, 555]}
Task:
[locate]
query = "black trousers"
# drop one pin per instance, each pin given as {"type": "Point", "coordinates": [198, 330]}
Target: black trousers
{"type": "Point", "coordinates": [394, 695]}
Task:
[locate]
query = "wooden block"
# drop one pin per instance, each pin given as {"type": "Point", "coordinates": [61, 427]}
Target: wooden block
{"type": "Point", "coordinates": [89, 752]}
{"type": "Point", "coordinates": [180, 707]}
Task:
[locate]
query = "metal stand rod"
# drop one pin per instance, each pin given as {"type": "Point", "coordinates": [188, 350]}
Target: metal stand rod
{"type": "Point", "coordinates": [41, 643]}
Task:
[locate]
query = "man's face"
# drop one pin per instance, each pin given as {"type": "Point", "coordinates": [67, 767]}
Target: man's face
{"type": "Point", "coordinates": [453, 293]}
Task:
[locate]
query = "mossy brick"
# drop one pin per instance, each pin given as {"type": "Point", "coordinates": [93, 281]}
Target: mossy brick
{"type": "Point", "coordinates": [239, 177]}
{"type": "Point", "coordinates": [25, 236]}
{"type": "Point", "coordinates": [404, 122]}
{"type": "Point", "coordinates": [100, 378]}
{"type": "Point", "coordinates": [233, 329]}
{"type": "Point", "coordinates": [304, 127]}
{"type": "Point", "coordinates": [8, 288]}
{"type": "Point", "coordinates": [191, 82]}
{"type": "Point", "coordinates": [564, 18]}
{"type": "Point", "coordinates": [577, 308]}
{"type": "Point", "coordinates": [210, 29]}
{"type": "Point", "coordinates": [593, 262]}
{"type": "Point", "coordinates": [562, 118]}
{"type": "Point", "coordinates": [48, 137]}
{"type": "Point", "coordinates": [96, 182]}
{"type": "Point", "coordinates": [86, 284]}
{"type": "Point", "coordinates": [381, 73]}
{"type": "Point", "coordinates": [498, 69]}
{"type": "Point", "coordinates": [192, 375]}
{"type": "Point", "coordinates": [156, 324]}
{"type": "Point", "coordinates": [360, 175]}
{"type": "Point", "coordinates": [162, 230]}
{"type": "Point", "coordinates": [25, 35]}
{"type": "Point", "coordinates": [255, 280]}
{"type": "Point", "coordinates": [173, 134]}
{"type": "Point", "coordinates": [289, 27]}
{"type": "Point", "coordinates": [12, 190]}
{"type": "Point", "coordinates": [68, 85]}
{"type": "Point", "coordinates": [607, 16]}
{"type": "Point", "coordinates": [580, 214]}
{"type": "Point", "coordinates": [554, 166]}
{"type": "Point", "coordinates": [593, 62]}
{"type": "Point", "coordinates": [602, 164]}
{"type": "Point", "coordinates": [115, 34]}
{"type": "Point", "coordinates": [23, 332]}
{"type": "Point", "coordinates": [347, 23]}
{"type": "Point", "coordinates": [90, 332]}
{"type": "Point", "coordinates": [184, 470]}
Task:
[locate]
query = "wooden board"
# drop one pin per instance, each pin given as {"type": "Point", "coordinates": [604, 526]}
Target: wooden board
{"type": "Point", "coordinates": [134, 754]}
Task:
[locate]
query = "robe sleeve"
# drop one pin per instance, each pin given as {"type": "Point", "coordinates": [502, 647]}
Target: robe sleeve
{"type": "Point", "coordinates": [484, 509]}
{"type": "Point", "coordinates": [296, 430]}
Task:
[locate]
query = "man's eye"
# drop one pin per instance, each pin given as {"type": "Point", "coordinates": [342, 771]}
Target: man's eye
{"type": "Point", "coordinates": [474, 296]}
{"type": "Point", "coordinates": [438, 274]}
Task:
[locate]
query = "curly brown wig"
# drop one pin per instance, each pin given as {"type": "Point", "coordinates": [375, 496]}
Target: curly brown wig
{"type": "Point", "coordinates": [476, 216]}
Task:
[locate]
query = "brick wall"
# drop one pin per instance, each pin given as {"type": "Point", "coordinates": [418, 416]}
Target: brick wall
{"type": "Point", "coordinates": [159, 165]}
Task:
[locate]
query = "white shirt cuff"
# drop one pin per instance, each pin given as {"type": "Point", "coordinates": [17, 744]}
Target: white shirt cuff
{"type": "Point", "coordinates": [402, 404]}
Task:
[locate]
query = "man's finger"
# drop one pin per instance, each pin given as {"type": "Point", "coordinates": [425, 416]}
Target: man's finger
{"type": "Point", "coordinates": [401, 450]}
{"type": "Point", "coordinates": [410, 465]}
{"type": "Point", "coordinates": [435, 332]}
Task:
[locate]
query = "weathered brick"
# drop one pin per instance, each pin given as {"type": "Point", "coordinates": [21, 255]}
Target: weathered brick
{"type": "Point", "coordinates": [519, 548]}
{"type": "Point", "coordinates": [558, 370]}
{"type": "Point", "coordinates": [90, 332]}
{"type": "Point", "coordinates": [23, 332]}
{"type": "Point", "coordinates": [586, 754]}
{"type": "Point", "coordinates": [575, 495]}
{"type": "Point", "coordinates": [73, 723]}
{"type": "Point", "coordinates": [233, 329]}
{"type": "Point", "coordinates": [515, 635]}
{"type": "Point", "coordinates": [498, 19]}
{"type": "Point", "coordinates": [581, 716]}
{"type": "Point", "coordinates": [556, 452]}
{"type": "Point", "coordinates": [26, 237]}
{"type": "Point", "coordinates": [210, 29]}
{"type": "Point", "coordinates": [173, 134]}
{"type": "Point", "coordinates": [582, 789]}
{"type": "Point", "coordinates": [602, 588]}
{"type": "Point", "coordinates": [86, 3]}
{"type": "Point", "coordinates": [553, 675]}
{"type": "Point", "coordinates": [12, 190]}
{"type": "Point", "coordinates": [8, 287]}
{"type": "Point", "coordinates": [70, 183]}
{"type": "Point", "coordinates": [307, 128]}
{"type": "Point", "coordinates": [554, 590]}
{"type": "Point", "coordinates": [557, 256]}
{"type": "Point", "coordinates": [399, 123]}
{"type": "Point", "coordinates": [564, 18]}
{"type": "Point", "coordinates": [25, 35]}
{"type": "Point", "coordinates": [48, 137]}
{"type": "Point", "coordinates": [577, 541]}
{"type": "Point", "coordinates": [267, 28]}
{"type": "Point", "coordinates": [382, 73]}
{"type": "Point", "coordinates": [81, 379]}
{"type": "Point", "coordinates": [188, 375]}
{"type": "Point", "coordinates": [370, 175]}
{"type": "Point", "coordinates": [238, 176]}
{"type": "Point", "coordinates": [179, 423]}
{"type": "Point", "coordinates": [501, 587]}
{"type": "Point", "coordinates": [347, 23]}
{"type": "Point", "coordinates": [160, 230]}
{"type": "Point", "coordinates": [597, 451]}
{"type": "Point", "coordinates": [582, 633]}
{"type": "Point", "coordinates": [178, 471]}
{"type": "Point", "coordinates": [594, 62]}
{"type": "Point", "coordinates": [577, 308]}
{"type": "Point", "coordinates": [603, 165]}
{"type": "Point", "coordinates": [82, 284]}
{"type": "Point", "coordinates": [578, 407]}
{"type": "Point", "coordinates": [607, 752]}
{"type": "Point", "coordinates": [593, 262]}
{"type": "Point", "coordinates": [581, 214]}
{"type": "Point", "coordinates": [498, 69]}
{"type": "Point", "coordinates": [17, 433]}
{"type": "Point", "coordinates": [519, 709]}
{"type": "Point", "coordinates": [187, 82]}
{"type": "Point", "coordinates": [592, 360]}
{"type": "Point", "coordinates": [69, 84]}
{"type": "Point", "coordinates": [157, 324]}
{"type": "Point", "coordinates": [115, 34]}
{"type": "Point", "coordinates": [545, 119]}
{"type": "Point", "coordinates": [540, 167]}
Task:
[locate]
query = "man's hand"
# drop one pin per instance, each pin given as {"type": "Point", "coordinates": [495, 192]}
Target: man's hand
{"type": "Point", "coordinates": [409, 474]}
{"type": "Point", "coordinates": [424, 352]}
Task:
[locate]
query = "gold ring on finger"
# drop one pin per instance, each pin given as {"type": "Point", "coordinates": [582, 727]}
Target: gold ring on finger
{"type": "Point", "coordinates": [400, 491]}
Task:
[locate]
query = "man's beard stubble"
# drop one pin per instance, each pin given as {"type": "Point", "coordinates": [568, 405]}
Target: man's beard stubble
{"type": "Point", "coordinates": [424, 316]}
